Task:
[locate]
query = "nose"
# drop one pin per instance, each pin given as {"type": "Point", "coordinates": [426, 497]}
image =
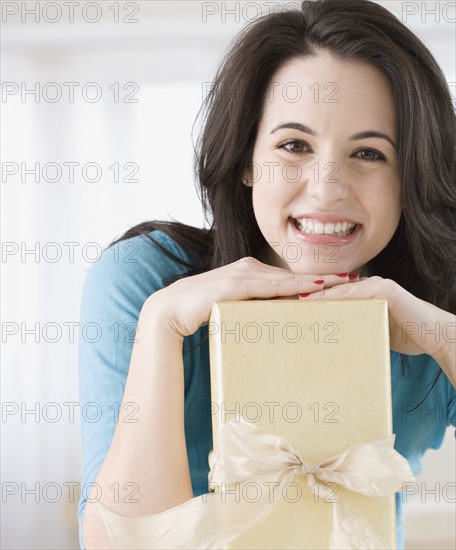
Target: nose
{"type": "Point", "coordinates": [326, 179]}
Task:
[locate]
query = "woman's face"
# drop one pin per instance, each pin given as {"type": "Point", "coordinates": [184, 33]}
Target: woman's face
{"type": "Point", "coordinates": [318, 168]}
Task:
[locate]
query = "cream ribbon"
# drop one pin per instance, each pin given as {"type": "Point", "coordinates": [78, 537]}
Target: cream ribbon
{"type": "Point", "coordinates": [251, 455]}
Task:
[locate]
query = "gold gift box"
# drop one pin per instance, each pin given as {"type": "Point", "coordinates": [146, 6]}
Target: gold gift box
{"type": "Point", "coordinates": [318, 374]}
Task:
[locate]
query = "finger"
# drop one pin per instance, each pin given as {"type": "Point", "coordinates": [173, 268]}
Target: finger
{"type": "Point", "coordinates": [307, 284]}
{"type": "Point", "coordinates": [263, 287]}
{"type": "Point", "coordinates": [360, 289]}
{"type": "Point", "coordinates": [269, 283]}
{"type": "Point", "coordinates": [335, 279]}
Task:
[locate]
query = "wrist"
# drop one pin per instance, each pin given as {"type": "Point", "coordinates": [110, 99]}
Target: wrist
{"type": "Point", "coordinates": [154, 316]}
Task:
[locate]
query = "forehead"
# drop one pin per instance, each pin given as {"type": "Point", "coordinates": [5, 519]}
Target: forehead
{"type": "Point", "coordinates": [325, 84]}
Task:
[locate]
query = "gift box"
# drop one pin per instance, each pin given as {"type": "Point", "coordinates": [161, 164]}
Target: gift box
{"type": "Point", "coordinates": [317, 374]}
{"type": "Point", "coordinates": [303, 451]}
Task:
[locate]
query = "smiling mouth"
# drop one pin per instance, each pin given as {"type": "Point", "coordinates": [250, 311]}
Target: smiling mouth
{"type": "Point", "coordinates": [313, 227]}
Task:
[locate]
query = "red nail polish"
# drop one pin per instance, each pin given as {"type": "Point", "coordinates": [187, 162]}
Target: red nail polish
{"type": "Point", "coordinates": [342, 274]}
{"type": "Point", "coordinates": [304, 295]}
{"type": "Point", "coordinates": [353, 276]}
{"type": "Point", "coordinates": [319, 281]}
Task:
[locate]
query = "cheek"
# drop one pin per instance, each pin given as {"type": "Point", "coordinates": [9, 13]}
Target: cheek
{"type": "Point", "coordinates": [274, 185]}
{"type": "Point", "coordinates": [393, 204]}
{"type": "Point", "coordinates": [269, 207]}
{"type": "Point", "coordinates": [381, 198]}
{"type": "Point", "coordinates": [386, 212]}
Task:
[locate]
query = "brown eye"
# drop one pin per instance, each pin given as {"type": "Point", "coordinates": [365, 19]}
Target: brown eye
{"type": "Point", "coordinates": [370, 155]}
{"type": "Point", "coordinates": [294, 146]}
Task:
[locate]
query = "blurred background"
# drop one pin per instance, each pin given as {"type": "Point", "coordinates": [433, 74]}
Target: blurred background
{"type": "Point", "coordinates": [98, 103]}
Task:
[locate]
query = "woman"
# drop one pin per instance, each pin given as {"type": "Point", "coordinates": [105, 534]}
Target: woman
{"type": "Point", "coordinates": [329, 124]}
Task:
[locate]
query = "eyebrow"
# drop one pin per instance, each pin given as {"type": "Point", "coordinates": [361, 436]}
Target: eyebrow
{"type": "Point", "coordinates": [360, 135]}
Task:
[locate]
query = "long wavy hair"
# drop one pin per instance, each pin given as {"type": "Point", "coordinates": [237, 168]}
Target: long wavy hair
{"type": "Point", "coordinates": [421, 255]}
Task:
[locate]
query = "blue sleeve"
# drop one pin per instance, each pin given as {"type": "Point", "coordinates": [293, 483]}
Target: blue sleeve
{"type": "Point", "coordinates": [114, 291]}
{"type": "Point", "coordinates": [420, 416]}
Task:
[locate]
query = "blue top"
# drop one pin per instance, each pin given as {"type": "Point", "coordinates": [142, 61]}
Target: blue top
{"type": "Point", "coordinates": [115, 290]}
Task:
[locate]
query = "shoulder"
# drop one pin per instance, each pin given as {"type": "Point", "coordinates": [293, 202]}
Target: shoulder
{"type": "Point", "coordinates": [132, 269]}
{"type": "Point", "coordinates": [143, 252]}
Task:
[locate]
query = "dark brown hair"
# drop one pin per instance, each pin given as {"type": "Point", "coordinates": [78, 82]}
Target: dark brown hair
{"type": "Point", "coordinates": [421, 256]}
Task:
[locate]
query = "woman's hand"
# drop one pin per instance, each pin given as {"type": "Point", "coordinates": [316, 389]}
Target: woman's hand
{"type": "Point", "coordinates": [416, 326]}
{"type": "Point", "coordinates": [186, 305]}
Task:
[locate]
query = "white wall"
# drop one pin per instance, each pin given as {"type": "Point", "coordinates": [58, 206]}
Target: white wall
{"type": "Point", "coordinates": [169, 54]}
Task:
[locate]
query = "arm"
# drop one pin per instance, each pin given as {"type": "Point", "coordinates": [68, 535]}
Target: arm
{"type": "Point", "coordinates": [115, 292]}
{"type": "Point", "coordinates": [416, 326]}
{"type": "Point", "coordinates": [156, 384]}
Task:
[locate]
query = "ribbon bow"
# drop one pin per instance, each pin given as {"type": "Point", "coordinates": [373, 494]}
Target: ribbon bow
{"type": "Point", "coordinates": [250, 455]}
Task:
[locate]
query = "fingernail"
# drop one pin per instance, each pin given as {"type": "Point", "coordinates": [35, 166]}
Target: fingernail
{"type": "Point", "coordinates": [342, 274]}
{"type": "Point", "coordinates": [319, 281]}
{"type": "Point", "coordinates": [304, 295]}
{"type": "Point", "coordinates": [353, 276]}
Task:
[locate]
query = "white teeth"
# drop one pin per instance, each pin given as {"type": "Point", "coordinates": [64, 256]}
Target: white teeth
{"type": "Point", "coordinates": [319, 228]}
